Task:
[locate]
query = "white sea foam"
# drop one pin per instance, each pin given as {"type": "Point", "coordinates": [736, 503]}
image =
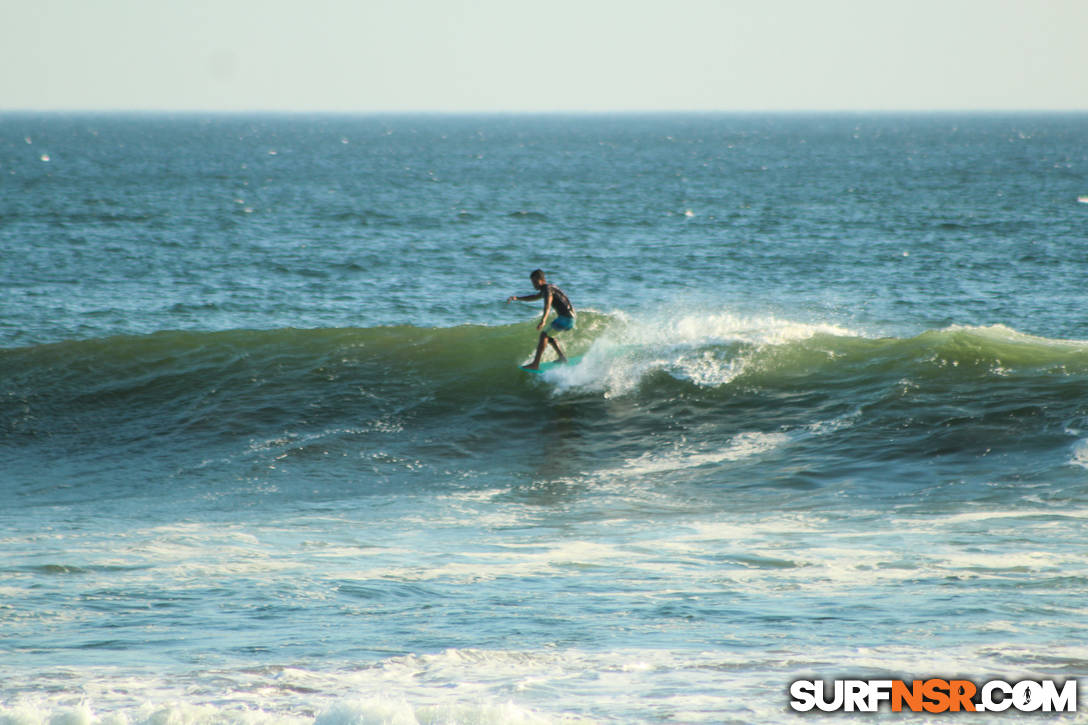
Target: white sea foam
{"type": "Point", "coordinates": [708, 349]}
{"type": "Point", "coordinates": [498, 687]}
{"type": "Point", "coordinates": [444, 689]}
{"type": "Point", "coordinates": [787, 564]}
{"type": "Point", "coordinates": [724, 327]}
{"type": "Point", "coordinates": [1080, 454]}
{"type": "Point", "coordinates": [383, 711]}
{"type": "Point", "coordinates": [741, 446]}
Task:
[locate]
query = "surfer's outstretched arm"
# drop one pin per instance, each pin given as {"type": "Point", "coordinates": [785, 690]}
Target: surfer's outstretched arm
{"type": "Point", "coordinates": [525, 298]}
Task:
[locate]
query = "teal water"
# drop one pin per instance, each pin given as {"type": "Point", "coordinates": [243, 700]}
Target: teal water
{"type": "Point", "coordinates": [266, 454]}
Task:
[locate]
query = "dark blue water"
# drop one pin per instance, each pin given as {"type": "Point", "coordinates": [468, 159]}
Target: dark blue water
{"type": "Point", "coordinates": [266, 454]}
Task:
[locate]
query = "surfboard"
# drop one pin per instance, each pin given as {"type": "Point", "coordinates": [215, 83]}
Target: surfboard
{"type": "Point", "coordinates": [552, 364]}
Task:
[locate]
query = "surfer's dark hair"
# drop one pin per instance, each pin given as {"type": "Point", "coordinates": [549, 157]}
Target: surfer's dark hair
{"type": "Point", "coordinates": [537, 274]}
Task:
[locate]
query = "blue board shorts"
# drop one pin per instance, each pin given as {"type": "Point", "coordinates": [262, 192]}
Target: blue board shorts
{"type": "Point", "coordinates": [561, 324]}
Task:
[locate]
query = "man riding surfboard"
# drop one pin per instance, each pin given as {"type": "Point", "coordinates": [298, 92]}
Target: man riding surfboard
{"type": "Point", "coordinates": [564, 316]}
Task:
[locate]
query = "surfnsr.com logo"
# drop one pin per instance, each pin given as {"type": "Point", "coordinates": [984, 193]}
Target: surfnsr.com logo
{"type": "Point", "coordinates": [933, 695]}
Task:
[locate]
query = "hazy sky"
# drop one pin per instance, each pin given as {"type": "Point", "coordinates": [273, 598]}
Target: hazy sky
{"type": "Point", "coordinates": [516, 55]}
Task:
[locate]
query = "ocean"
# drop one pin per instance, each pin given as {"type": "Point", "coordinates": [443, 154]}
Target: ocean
{"type": "Point", "coordinates": [267, 455]}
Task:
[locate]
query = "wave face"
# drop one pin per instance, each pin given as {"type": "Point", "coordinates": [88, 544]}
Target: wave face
{"type": "Point", "coordinates": [674, 394]}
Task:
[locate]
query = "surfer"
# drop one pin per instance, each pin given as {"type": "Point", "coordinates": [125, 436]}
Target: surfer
{"type": "Point", "coordinates": [564, 316]}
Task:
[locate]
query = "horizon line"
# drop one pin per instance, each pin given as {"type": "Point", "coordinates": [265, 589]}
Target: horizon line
{"type": "Point", "coordinates": [543, 112]}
